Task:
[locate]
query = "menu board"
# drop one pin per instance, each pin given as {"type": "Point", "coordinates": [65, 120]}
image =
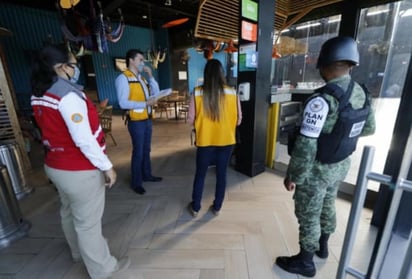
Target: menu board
{"type": "Point", "coordinates": [249, 9]}
{"type": "Point", "coordinates": [249, 31]}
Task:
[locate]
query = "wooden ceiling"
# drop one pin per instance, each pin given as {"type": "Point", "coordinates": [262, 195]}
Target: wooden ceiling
{"type": "Point", "coordinates": [208, 19]}
{"type": "Point", "coordinates": [219, 19]}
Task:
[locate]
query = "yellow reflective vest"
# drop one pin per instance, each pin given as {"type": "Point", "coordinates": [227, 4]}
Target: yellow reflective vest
{"type": "Point", "coordinates": [216, 133]}
{"type": "Point", "coordinates": [137, 93]}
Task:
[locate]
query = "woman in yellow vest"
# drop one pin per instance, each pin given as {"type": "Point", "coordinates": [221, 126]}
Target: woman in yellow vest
{"type": "Point", "coordinates": [214, 110]}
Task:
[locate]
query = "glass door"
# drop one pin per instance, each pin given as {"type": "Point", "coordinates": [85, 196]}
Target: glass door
{"type": "Point", "coordinates": [385, 50]}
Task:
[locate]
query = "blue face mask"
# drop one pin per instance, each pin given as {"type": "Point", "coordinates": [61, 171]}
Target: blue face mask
{"type": "Point", "coordinates": [76, 75]}
{"type": "Point", "coordinates": [140, 67]}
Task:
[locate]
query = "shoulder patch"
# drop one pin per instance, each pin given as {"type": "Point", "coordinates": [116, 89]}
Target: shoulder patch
{"type": "Point", "coordinates": [314, 116]}
{"type": "Point", "coordinates": [77, 117]}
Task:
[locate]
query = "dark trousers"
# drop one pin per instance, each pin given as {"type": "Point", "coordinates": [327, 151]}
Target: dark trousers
{"type": "Point", "coordinates": [141, 134]}
{"type": "Point", "coordinates": [206, 156]}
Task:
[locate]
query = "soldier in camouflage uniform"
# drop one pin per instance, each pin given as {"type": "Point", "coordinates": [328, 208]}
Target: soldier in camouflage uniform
{"type": "Point", "coordinates": [316, 183]}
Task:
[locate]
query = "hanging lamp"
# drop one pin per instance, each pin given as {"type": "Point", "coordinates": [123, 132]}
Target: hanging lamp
{"type": "Point", "coordinates": [175, 22]}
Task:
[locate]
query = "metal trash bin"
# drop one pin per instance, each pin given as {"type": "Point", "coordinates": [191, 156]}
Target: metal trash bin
{"type": "Point", "coordinates": [12, 225]}
{"type": "Point", "coordinates": [11, 158]}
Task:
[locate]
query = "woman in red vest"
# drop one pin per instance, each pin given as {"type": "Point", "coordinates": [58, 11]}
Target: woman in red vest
{"type": "Point", "coordinates": [214, 110]}
{"type": "Point", "coordinates": [75, 160]}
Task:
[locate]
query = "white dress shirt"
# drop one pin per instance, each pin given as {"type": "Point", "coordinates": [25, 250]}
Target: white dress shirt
{"type": "Point", "coordinates": [123, 89]}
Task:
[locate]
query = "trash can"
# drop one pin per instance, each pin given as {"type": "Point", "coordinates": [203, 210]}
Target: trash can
{"type": "Point", "coordinates": [12, 225]}
{"type": "Point", "coordinates": [11, 158]}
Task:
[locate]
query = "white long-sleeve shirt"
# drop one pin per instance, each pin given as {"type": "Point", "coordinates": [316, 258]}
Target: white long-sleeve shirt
{"type": "Point", "coordinates": [71, 104]}
{"type": "Point", "coordinates": [122, 89]}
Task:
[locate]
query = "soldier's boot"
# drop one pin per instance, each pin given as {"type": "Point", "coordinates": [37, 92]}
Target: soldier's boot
{"type": "Point", "coordinates": [323, 251]}
{"type": "Point", "coordinates": [301, 263]}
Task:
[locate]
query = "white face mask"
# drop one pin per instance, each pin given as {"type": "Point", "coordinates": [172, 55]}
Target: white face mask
{"type": "Point", "coordinates": [76, 75]}
{"type": "Point", "coordinates": [140, 67]}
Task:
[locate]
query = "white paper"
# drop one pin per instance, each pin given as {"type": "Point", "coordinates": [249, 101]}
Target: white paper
{"type": "Point", "coordinates": [161, 94]}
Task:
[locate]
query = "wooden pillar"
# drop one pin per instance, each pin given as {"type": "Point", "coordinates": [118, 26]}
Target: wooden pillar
{"type": "Point", "coordinates": [10, 126]}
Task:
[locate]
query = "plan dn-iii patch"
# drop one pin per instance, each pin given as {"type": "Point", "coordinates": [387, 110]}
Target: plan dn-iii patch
{"type": "Point", "coordinates": [314, 116]}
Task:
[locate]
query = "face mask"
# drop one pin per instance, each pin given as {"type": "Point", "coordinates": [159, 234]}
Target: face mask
{"type": "Point", "coordinates": [140, 67]}
{"type": "Point", "coordinates": [76, 75]}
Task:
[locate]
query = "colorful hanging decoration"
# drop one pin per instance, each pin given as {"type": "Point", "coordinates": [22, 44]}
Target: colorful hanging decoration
{"type": "Point", "coordinates": [92, 32]}
{"type": "Point", "coordinates": [208, 47]}
{"type": "Point", "coordinates": [231, 47]}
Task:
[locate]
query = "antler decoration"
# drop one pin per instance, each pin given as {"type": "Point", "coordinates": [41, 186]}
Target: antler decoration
{"type": "Point", "coordinates": [157, 56]}
{"type": "Point", "coordinates": [79, 53]}
{"type": "Point", "coordinates": [153, 55]}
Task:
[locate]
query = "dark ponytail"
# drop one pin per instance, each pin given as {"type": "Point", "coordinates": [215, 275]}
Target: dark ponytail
{"type": "Point", "coordinates": [42, 70]}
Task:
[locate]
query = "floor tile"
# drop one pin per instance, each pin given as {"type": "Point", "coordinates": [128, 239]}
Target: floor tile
{"type": "Point", "coordinates": [256, 224]}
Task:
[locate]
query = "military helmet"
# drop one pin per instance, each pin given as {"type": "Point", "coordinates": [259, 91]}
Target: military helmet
{"type": "Point", "coordinates": [338, 49]}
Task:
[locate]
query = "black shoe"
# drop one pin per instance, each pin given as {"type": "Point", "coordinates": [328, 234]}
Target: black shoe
{"type": "Point", "coordinates": [323, 251]}
{"type": "Point", "coordinates": [139, 190]}
{"type": "Point", "coordinates": [301, 263]}
{"type": "Point", "coordinates": [153, 179]}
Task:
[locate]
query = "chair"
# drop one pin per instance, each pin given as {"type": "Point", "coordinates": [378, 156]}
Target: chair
{"type": "Point", "coordinates": [105, 117]}
{"type": "Point", "coordinates": [162, 106]}
{"type": "Point", "coordinates": [184, 109]}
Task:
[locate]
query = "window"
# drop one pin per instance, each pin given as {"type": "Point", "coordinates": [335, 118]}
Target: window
{"type": "Point", "coordinates": [299, 48]}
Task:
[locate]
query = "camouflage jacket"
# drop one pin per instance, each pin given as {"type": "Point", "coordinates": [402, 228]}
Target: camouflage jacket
{"type": "Point", "coordinates": [303, 163]}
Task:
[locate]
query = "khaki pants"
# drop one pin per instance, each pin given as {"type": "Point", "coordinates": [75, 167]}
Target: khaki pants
{"type": "Point", "coordinates": [82, 195]}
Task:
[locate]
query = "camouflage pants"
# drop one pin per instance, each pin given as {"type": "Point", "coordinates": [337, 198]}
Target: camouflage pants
{"type": "Point", "coordinates": [315, 203]}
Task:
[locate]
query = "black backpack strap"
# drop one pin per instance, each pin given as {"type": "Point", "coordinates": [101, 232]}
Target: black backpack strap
{"type": "Point", "coordinates": [367, 94]}
{"type": "Point", "coordinates": [337, 92]}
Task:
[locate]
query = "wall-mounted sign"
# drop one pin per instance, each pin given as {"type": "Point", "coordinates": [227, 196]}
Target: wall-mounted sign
{"type": "Point", "coordinates": [249, 9]}
{"type": "Point", "coordinates": [251, 59]}
{"type": "Point", "coordinates": [245, 58]}
{"type": "Point", "coordinates": [182, 75]}
{"type": "Point", "coordinates": [246, 48]}
{"type": "Point", "coordinates": [249, 31]}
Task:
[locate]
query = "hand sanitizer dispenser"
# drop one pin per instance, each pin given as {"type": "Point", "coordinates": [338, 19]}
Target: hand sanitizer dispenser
{"type": "Point", "coordinates": [244, 91]}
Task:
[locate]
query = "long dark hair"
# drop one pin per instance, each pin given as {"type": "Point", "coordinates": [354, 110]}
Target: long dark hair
{"type": "Point", "coordinates": [214, 82]}
{"type": "Point", "coordinates": [42, 68]}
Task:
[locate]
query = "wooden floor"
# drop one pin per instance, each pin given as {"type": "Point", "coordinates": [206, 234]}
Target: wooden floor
{"type": "Point", "coordinates": [256, 223]}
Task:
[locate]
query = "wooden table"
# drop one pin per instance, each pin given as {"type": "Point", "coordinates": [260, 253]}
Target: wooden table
{"type": "Point", "coordinates": [174, 98]}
